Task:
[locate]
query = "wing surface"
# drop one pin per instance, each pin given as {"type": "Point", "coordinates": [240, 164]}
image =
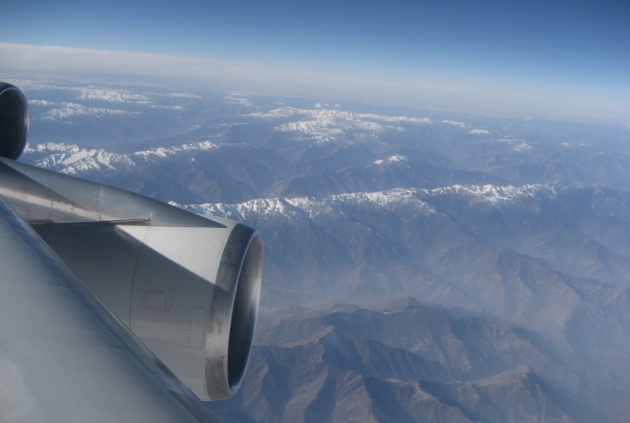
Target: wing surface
{"type": "Point", "coordinates": [63, 356]}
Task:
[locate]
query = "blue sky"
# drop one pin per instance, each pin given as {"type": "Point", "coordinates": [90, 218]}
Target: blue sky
{"type": "Point", "coordinates": [571, 53]}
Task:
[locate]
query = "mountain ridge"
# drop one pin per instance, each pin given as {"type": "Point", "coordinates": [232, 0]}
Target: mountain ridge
{"type": "Point", "coordinates": [418, 264]}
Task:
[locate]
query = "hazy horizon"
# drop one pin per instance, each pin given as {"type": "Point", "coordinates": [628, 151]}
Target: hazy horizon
{"type": "Point", "coordinates": [525, 59]}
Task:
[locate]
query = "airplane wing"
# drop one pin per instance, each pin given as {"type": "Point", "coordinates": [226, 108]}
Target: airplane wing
{"type": "Point", "coordinates": [113, 306]}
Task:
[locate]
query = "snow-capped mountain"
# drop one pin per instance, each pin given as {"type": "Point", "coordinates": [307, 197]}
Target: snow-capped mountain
{"type": "Point", "coordinates": [507, 240]}
{"type": "Point", "coordinates": [551, 264]}
{"type": "Point", "coordinates": [265, 147]}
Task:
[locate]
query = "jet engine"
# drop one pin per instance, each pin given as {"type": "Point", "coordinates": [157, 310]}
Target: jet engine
{"type": "Point", "coordinates": [186, 286]}
{"type": "Point", "coordinates": [13, 121]}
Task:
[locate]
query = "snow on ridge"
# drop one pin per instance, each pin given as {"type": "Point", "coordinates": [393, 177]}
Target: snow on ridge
{"type": "Point", "coordinates": [454, 123]}
{"type": "Point", "coordinates": [335, 115]}
{"type": "Point", "coordinates": [493, 195]}
{"type": "Point", "coordinates": [321, 131]}
{"type": "Point", "coordinates": [259, 207]}
{"type": "Point", "coordinates": [72, 159]}
{"type": "Point", "coordinates": [335, 206]}
{"type": "Point", "coordinates": [52, 147]}
{"type": "Point", "coordinates": [395, 119]}
{"type": "Point", "coordinates": [479, 132]}
{"type": "Point", "coordinates": [178, 108]}
{"type": "Point", "coordinates": [281, 112]}
{"type": "Point", "coordinates": [236, 99]}
{"type": "Point", "coordinates": [407, 202]}
{"type": "Point", "coordinates": [518, 144]}
{"type": "Point", "coordinates": [37, 102]}
{"type": "Point", "coordinates": [391, 160]}
{"type": "Point", "coordinates": [389, 200]}
{"type": "Point", "coordinates": [48, 147]}
{"type": "Point", "coordinates": [112, 95]}
{"type": "Point", "coordinates": [163, 152]}
{"type": "Point", "coordinates": [324, 125]}
{"type": "Point", "coordinates": [186, 95]}
{"type": "Point", "coordinates": [523, 147]}
{"type": "Point", "coordinates": [69, 110]}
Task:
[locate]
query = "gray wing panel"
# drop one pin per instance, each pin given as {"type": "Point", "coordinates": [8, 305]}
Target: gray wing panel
{"type": "Point", "coordinates": [63, 358]}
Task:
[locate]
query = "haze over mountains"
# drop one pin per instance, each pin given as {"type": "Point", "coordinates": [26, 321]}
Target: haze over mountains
{"type": "Point", "coordinates": [420, 265]}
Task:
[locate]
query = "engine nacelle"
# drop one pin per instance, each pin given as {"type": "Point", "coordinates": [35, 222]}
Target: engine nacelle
{"type": "Point", "coordinates": [189, 293]}
{"type": "Point", "coordinates": [13, 121]}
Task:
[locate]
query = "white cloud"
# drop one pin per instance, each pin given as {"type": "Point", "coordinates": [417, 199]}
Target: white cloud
{"type": "Point", "coordinates": [479, 132]}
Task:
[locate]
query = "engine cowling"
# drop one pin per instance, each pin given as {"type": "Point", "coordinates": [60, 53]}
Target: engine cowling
{"type": "Point", "coordinates": [190, 294]}
{"type": "Point", "coordinates": [13, 121]}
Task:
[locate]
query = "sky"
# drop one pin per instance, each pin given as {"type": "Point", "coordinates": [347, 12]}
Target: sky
{"type": "Point", "coordinates": [547, 57]}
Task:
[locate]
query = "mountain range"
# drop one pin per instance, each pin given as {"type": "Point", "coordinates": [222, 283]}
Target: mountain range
{"type": "Point", "coordinates": [357, 364]}
{"type": "Point", "coordinates": [419, 265]}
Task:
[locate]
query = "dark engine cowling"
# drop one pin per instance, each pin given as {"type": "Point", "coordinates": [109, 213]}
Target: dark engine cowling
{"type": "Point", "coordinates": [13, 121]}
